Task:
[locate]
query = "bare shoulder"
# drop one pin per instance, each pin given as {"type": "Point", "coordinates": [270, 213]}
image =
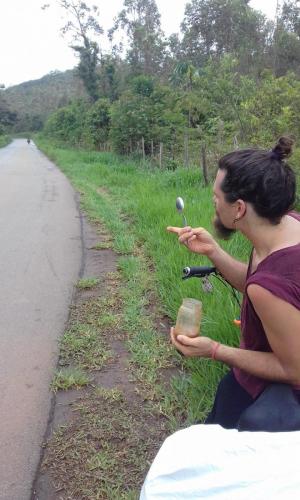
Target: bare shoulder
{"type": "Point", "coordinates": [269, 305]}
{"type": "Point", "coordinates": [293, 228]}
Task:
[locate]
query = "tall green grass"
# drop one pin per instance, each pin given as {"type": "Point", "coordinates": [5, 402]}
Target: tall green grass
{"type": "Point", "coordinates": [146, 201]}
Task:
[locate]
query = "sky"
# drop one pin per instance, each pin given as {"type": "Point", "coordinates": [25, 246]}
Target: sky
{"type": "Point", "coordinates": [31, 45]}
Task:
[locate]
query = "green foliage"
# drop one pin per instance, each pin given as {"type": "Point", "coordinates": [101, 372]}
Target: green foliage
{"type": "Point", "coordinates": [274, 108]}
{"type": "Point", "coordinates": [143, 85]}
{"type": "Point", "coordinates": [109, 77]}
{"type": "Point", "coordinates": [86, 69]}
{"type": "Point", "coordinates": [4, 140]}
{"type": "Point", "coordinates": [222, 90]}
{"type": "Point", "coordinates": [217, 106]}
{"type": "Point", "coordinates": [147, 112]}
{"type": "Point", "coordinates": [212, 28]}
{"type": "Point", "coordinates": [7, 116]}
{"type": "Point", "coordinates": [97, 124]}
{"type": "Point", "coordinates": [228, 81]}
{"type": "Point", "coordinates": [66, 124]}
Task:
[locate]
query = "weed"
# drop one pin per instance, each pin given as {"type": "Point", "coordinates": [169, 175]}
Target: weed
{"type": "Point", "coordinates": [86, 283]}
{"type": "Point", "coordinates": [84, 344]}
{"type": "Point", "coordinates": [107, 448]}
{"type": "Point", "coordinates": [69, 378]}
{"type": "Point", "coordinates": [102, 245]}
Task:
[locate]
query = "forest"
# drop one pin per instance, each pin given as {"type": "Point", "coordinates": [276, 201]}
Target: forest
{"type": "Point", "coordinates": [229, 78]}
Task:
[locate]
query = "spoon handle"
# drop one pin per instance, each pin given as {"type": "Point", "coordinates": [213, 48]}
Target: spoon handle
{"type": "Point", "coordinates": [184, 221]}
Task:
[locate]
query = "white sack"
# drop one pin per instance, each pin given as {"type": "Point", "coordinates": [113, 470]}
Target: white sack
{"type": "Point", "coordinates": [207, 461]}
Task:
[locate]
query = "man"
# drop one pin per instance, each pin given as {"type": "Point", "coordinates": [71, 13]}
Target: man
{"type": "Point", "coordinates": [254, 192]}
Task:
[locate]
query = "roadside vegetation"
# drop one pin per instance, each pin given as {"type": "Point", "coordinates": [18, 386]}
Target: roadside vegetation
{"type": "Point", "coordinates": [4, 140]}
{"type": "Point", "coordinates": [133, 205]}
{"type": "Point", "coordinates": [136, 205]}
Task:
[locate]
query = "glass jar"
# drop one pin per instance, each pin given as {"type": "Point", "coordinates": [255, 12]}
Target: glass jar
{"type": "Point", "coordinates": [189, 318]}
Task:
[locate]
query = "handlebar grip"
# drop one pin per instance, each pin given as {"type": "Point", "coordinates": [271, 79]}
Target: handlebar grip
{"type": "Point", "coordinates": [198, 271]}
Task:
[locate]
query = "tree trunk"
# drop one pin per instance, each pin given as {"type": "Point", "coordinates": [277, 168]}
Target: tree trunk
{"type": "Point", "coordinates": [204, 164]}
{"type": "Point", "coordinates": [143, 148]}
{"type": "Point", "coordinates": [160, 154]}
{"type": "Point", "coordinates": [186, 150]}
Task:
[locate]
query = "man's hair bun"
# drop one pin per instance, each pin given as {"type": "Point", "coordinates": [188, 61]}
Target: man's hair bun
{"type": "Point", "coordinates": [283, 148]}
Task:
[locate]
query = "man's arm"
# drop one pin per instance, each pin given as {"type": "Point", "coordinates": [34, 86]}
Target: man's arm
{"type": "Point", "coordinates": [234, 271]}
{"type": "Point", "coordinates": [281, 322]}
{"type": "Point", "coordinates": [200, 241]}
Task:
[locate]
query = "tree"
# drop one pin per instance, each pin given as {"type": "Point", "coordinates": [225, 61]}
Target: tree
{"type": "Point", "coordinates": [212, 28]}
{"type": "Point", "coordinates": [274, 108]}
{"type": "Point", "coordinates": [67, 123]}
{"type": "Point", "coordinates": [97, 124]}
{"type": "Point", "coordinates": [140, 20]}
{"type": "Point", "coordinates": [221, 90]}
{"type": "Point", "coordinates": [109, 77]}
{"type": "Point", "coordinates": [184, 75]}
{"type": "Point", "coordinates": [147, 112]}
{"type": "Point", "coordinates": [81, 23]}
{"type": "Point", "coordinates": [7, 117]}
{"type": "Point", "coordinates": [286, 45]}
{"type": "Point", "coordinates": [290, 16]}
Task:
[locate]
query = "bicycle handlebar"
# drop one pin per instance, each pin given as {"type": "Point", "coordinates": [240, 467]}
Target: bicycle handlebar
{"type": "Point", "coordinates": [198, 272]}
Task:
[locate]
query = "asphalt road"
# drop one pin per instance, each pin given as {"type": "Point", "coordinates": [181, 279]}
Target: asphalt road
{"type": "Point", "coordinates": [40, 260]}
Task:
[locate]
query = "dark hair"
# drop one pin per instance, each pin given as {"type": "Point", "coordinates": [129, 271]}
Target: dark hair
{"type": "Point", "coordinates": [262, 178]}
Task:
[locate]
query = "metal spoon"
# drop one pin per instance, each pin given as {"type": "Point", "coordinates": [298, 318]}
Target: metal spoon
{"type": "Point", "coordinates": [180, 207]}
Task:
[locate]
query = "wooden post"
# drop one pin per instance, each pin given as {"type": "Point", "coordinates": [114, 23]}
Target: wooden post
{"type": "Point", "coordinates": [152, 149]}
{"type": "Point", "coordinates": [204, 164]}
{"type": "Point", "coordinates": [161, 146]}
{"type": "Point", "coordinates": [220, 136]}
{"type": "Point", "coordinates": [143, 148]}
{"type": "Point", "coordinates": [186, 150]}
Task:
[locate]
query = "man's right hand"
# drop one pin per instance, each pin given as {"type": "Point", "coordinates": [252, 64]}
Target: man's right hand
{"type": "Point", "coordinates": [197, 240]}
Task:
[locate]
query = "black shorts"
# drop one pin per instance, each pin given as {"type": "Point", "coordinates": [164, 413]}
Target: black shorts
{"type": "Point", "coordinates": [230, 401]}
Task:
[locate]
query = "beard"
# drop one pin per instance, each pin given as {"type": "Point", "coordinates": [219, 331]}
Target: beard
{"type": "Point", "coordinates": [222, 231]}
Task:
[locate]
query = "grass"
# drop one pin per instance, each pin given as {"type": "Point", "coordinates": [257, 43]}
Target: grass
{"type": "Point", "coordinates": [105, 446]}
{"type": "Point", "coordinates": [103, 245]}
{"type": "Point", "coordinates": [85, 344]}
{"type": "Point", "coordinates": [104, 452]}
{"type": "Point", "coordinates": [87, 283]}
{"type": "Point", "coordinates": [69, 378]}
{"type": "Point", "coordinates": [110, 188]}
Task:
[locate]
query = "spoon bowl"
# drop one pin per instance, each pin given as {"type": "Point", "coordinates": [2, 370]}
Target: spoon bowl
{"type": "Point", "coordinates": [180, 208]}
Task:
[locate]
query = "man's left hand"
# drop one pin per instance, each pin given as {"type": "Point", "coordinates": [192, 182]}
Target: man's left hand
{"type": "Point", "coordinates": [193, 346]}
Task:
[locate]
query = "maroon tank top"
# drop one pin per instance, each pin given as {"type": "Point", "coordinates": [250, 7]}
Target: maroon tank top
{"type": "Point", "coordinates": [279, 273]}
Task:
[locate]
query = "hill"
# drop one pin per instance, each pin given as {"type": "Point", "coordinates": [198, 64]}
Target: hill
{"type": "Point", "coordinates": [36, 99]}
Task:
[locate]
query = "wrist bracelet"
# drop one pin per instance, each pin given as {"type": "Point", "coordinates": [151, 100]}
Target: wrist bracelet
{"type": "Point", "coordinates": [214, 350]}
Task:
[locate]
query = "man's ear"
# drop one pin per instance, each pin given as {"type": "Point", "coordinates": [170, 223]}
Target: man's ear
{"type": "Point", "coordinates": [242, 209]}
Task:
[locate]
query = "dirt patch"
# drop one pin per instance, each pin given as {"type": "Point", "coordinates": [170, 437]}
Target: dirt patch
{"type": "Point", "coordinates": [101, 439]}
{"type": "Point", "coordinates": [103, 191]}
